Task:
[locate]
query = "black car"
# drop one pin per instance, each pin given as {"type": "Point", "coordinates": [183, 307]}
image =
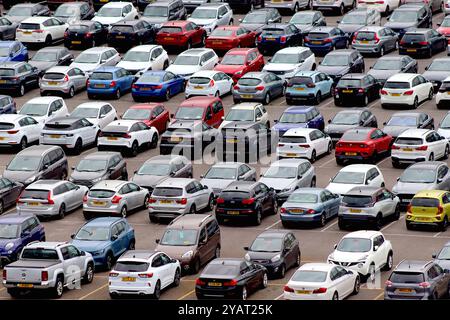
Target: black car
{"type": "Point", "coordinates": [423, 42]}
{"type": "Point", "coordinates": [257, 19]}
{"type": "Point", "coordinates": [402, 121]}
{"type": "Point", "coordinates": [356, 88]}
{"type": "Point", "coordinates": [9, 192]}
{"type": "Point", "coordinates": [409, 16]}
{"type": "Point", "coordinates": [277, 250]}
{"type": "Point", "coordinates": [338, 63]}
{"type": "Point", "coordinates": [7, 29]}
{"type": "Point", "coordinates": [49, 57]}
{"type": "Point", "coordinates": [85, 34]}
{"type": "Point", "coordinates": [128, 34]}
{"type": "Point", "coordinates": [349, 119]}
{"type": "Point", "coordinates": [230, 279]}
{"type": "Point", "coordinates": [247, 200]}
{"type": "Point", "coordinates": [305, 21]}
{"type": "Point", "coordinates": [277, 36]}
{"type": "Point", "coordinates": [244, 5]}
{"type": "Point", "coordinates": [18, 77]}
{"type": "Point", "coordinates": [437, 71]}
{"type": "Point", "coordinates": [385, 67]}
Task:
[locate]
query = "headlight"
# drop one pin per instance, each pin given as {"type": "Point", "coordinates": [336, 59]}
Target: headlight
{"type": "Point", "coordinates": [276, 258]}
{"type": "Point", "coordinates": [287, 189]}
{"type": "Point", "coordinates": [99, 252]}
{"type": "Point", "coordinates": [9, 245]}
{"type": "Point", "coordinates": [31, 179]}
{"type": "Point", "coordinates": [187, 255]}
{"type": "Point", "coordinates": [247, 257]}
{"type": "Point", "coordinates": [97, 179]}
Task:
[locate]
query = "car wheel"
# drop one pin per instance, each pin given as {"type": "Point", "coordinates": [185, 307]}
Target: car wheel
{"type": "Point", "coordinates": [117, 94]}
{"type": "Point", "coordinates": [416, 103]}
{"type": "Point", "coordinates": [341, 224]}
{"type": "Point", "coordinates": [93, 43]}
{"type": "Point", "coordinates": [266, 99]}
{"type": "Point", "coordinates": [264, 281]}
{"type": "Point", "coordinates": [217, 94]}
{"type": "Point", "coordinates": [446, 153]}
{"type": "Point", "coordinates": [89, 274]}
{"type": "Point", "coordinates": [386, 12]}
{"type": "Point", "coordinates": [444, 224]}
{"type": "Point", "coordinates": [313, 182]}
{"type": "Point", "coordinates": [378, 222]}
{"type": "Point", "coordinates": [341, 10]}
{"type": "Point", "coordinates": [313, 156]}
{"type": "Point", "coordinates": [389, 262]}
{"type": "Point", "coordinates": [397, 212]}
{"type": "Point", "coordinates": [381, 52]}
{"type": "Point", "coordinates": [196, 266]}
{"type": "Point", "coordinates": [132, 245]}
{"type": "Point", "coordinates": [210, 206]}
{"type": "Point", "coordinates": [318, 98]}
{"type": "Point", "coordinates": [167, 96]}
{"type": "Point", "coordinates": [23, 143]}
{"type": "Point", "coordinates": [366, 100]}
{"type": "Point", "coordinates": [1, 207]}
{"type": "Point", "coordinates": [275, 207]}
{"type": "Point", "coordinates": [371, 273]}
{"type": "Point", "coordinates": [298, 260]}
{"type": "Point", "coordinates": [258, 217]}
{"type": "Point", "coordinates": [217, 252]}
{"type": "Point", "coordinates": [71, 92]}
{"type": "Point", "coordinates": [356, 286]}
{"type": "Point", "coordinates": [244, 293]}
{"type": "Point", "coordinates": [430, 94]}
{"type": "Point", "coordinates": [323, 220]}
{"type": "Point", "coordinates": [335, 296]}
{"type": "Point", "coordinates": [192, 210]}
{"type": "Point", "coordinates": [296, 8]}
{"type": "Point", "coordinates": [123, 212]}
{"type": "Point", "coordinates": [48, 40]}
{"type": "Point", "coordinates": [62, 211]}
{"type": "Point", "coordinates": [21, 91]}
{"type": "Point", "coordinates": [109, 261]}
{"type": "Point", "coordinates": [176, 278]}
{"type": "Point", "coordinates": [409, 226]}
{"type": "Point", "coordinates": [78, 147]}
{"type": "Point", "coordinates": [330, 148]}
{"type": "Point", "coordinates": [58, 289]}
{"type": "Point", "coordinates": [134, 149]}
{"type": "Point", "coordinates": [154, 142]}
{"type": "Point", "coordinates": [431, 157]}
{"type": "Point", "coordinates": [188, 45]}
{"type": "Point", "coordinates": [157, 291]}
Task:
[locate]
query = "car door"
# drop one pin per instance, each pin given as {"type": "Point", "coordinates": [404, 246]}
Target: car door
{"type": "Point", "coordinates": [116, 243]}
{"type": "Point", "coordinates": [71, 267]}
{"type": "Point", "coordinates": [74, 194]}
{"type": "Point", "coordinates": [167, 269]}
{"type": "Point", "coordinates": [132, 193]}
{"type": "Point", "coordinates": [379, 253]}
{"type": "Point", "coordinates": [443, 177]}
{"type": "Point", "coordinates": [202, 246]}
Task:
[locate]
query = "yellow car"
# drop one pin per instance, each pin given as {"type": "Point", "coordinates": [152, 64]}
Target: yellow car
{"type": "Point", "coordinates": [430, 207]}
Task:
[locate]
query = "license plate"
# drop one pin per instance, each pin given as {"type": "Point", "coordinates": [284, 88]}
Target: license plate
{"type": "Point", "coordinates": [169, 38]}
{"type": "Point", "coordinates": [217, 42]}
{"type": "Point", "coordinates": [316, 42]}
{"type": "Point", "coordinates": [277, 1]}
{"type": "Point", "coordinates": [52, 83]}
{"type": "Point", "coordinates": [350, 153]}
{"type": "Point", "coordinates": [364, 41]}
{"type": "Point", "coordinates": [27, 32]}
{"type": "Point", "coordinates": [103, 0]}
{"type": "Point", "coordinates": [198, 87]}
{"type": "Point", "coordinates": [100, 86]}
{"type": "Point", "coordinates": [214, 284]}
{"type": "Point", "coordinates": [300, 89]}
{"type": "Point", "coordinates": [112, 138]}
{"type": "Point", "coordinates": [407, 149]}
{"type": "Point", "coordinates": [247, 96]}
{"type": "Point", "coordinates": [2, 81]}
{"type": "Point", "coordinates": [128, 279]}
{"type": "Point", "coordinates": [448, 92]}
{"type": "Point", "coordinates": [165, 201]}
{"type": "Point", "coordinates": [231, 140]}
{"type": "Point", "coordinates": [33, 204]}
{"type": "Point", "coordinates": [405, 290]}
{"type": "Point", "coordinates": [76, 42]}
{"type": "Point", "coordinates": [396, 94]}
{"type": "Point", "coordinates": [411, 50]}
{"type": "Point", "coordinates": [347, 91]}
{"type": "Point", "coordinates": [55, 136]}
{"type": "Point", "coordinates": [302, 291]}
{"type": "Point", "coordinates": [2, 138]}
{"type": "Point", "coordinates": [145, 89]}
{"type": "Point", "coordinates": [423, 219]}
{"type": "Point", "coordinates": [234, 213]}
{"type": "Point", "coordinates": [355, 210]}
{"type": "Point", "coordinates": [25, 285]}
{"type": "Point", "coordinates": [291, 154]}
{"type": "Point", "coordinates": [98, 203]}
{"type": "Point", "coordinates": [271, 38]}
{"type": "Point", "coordinates": [175, 139]}
{"type": "Point", "coordinates": [406, 200]}
{"type": "Point", "coordinates": [120, 37]}
{"type": "Point", "coordinates": [296, 210]}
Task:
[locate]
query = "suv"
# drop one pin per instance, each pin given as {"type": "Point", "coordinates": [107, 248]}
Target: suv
{"type": "Point", "coordinates": [409, 16]}
{"type": "Point", "coordinates": [212, 15]}
{"type": "Point", "coordinates": [192, 239]}
{"type": "Point", "coordinates": [162, 11]}
{"type": "Point", "coordinates": [339, 5]}
{"type": "Point", "coordinates": [37, 162]}
{"type": "Point", "coordinates": [18, 77]}
{"type": "Point", "coordinates": [417, 280]}
{"type": "Point", "coordinates": [105, 56]}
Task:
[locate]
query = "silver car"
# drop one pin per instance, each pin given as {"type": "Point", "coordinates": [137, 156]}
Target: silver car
{"type": "Point", "coordinates": [114, 197]}
{"type": "Point", "coordinates": [375, 39]}
{"type": "Point", "coordinates": [222, 174]}
{"type": "Point", "coordinates": [51, 198]}
{"type": "Point", "coordinates": [65, 80]}
{"type": "Point", "coordinates": [429, 175]}
{"type": "Point", "coordinates": [259, 86]}
{"type": "Point", "coordinates": [178, 196]}
{"type": "Point", "coordinates": [287, 175]}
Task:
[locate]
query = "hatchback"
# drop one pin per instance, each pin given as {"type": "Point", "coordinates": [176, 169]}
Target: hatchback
{"type": "Point", "coordinates": [13, 51]}
{"type": "Point", "coordinates": [288, 61]}
{"type": "Point", "coordinates": [157, 13]}
{"type": "Point", "coordinates": [349, 119]}
{"type": "Point", "coordinates": [247, 111]}
{"type": "Point", "coordinates": [190, 61]}
{"type": "Point", "coordinates": [338, 63]}
{"type": "Point", "coordinates": [429, 208]}
{"type": "Point", "coordinates": [322, 40]}
{"type": "Point", "coordinates": [142, 58]}
{"type": "Point", "coordinates": [307, 20]}
{"type": "Point", "coordinates": [128, 34]}
{"type": "Point", "coordinates": [210, 16]}
{"type": "Point", "coordinates": [239, 61]}
{"type": "Point", "coordinates": [93, 58]}
{"type": "Point", "coordinates": [47, 58]}
{"type": "Point", "coordinates": [63, 80]}
{"type": "Point", "coordinates": [19, 131]}
{"type": "Point", "coordinates": [257, 19]}
{"type": "Point", "coordinates": [437, 71]}
{"type": "Point", "coordinates": [443, 94]}
{"type": "Point", "coordinates": [357, 19]}
{"type": "Point", "coordinates": [299, 117]}
{"type": "Point", "coordinates": [85, 33]}
{"type": "Point", "coordinates": [18, 77]}
{"type": "Point", "coordinates": [152, 114]}
{"type": "Point", "coordinates": [409, 16]}
{"type": "Point", "coordinates": [357, 88]}
{"type": "Point", "coordinates": [41, 30]}
{"type": "Point", "coordinates": [185, 34]}
{"type": "Point", "coordinates": [258, 86]}
{"type": "Point", "coordinates": [376, 39]}
{"type": "Point", "coordinates": [276, 36]}
{"type": "Point", "coordinates": [209, 83]}
{"type": "Point", "coordinates": [98, 113]}
{"type": "Point", "coordinates": [385, 67]}
{"type": "Point", "coordinates": [109, 81]}
{"type": "Point", "coordinates": [225, 38]}
{"type": "Point", "coordinates": [207, 109]}
{"type": "Point", "coordinates": [43, 109]}
{"type": "Point", "coordinates": [309, 86]}
{"type": "Point", "coordinates": [422, 42]}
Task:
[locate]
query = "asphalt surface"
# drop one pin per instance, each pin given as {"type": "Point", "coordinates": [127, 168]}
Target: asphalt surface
{"type": "Point", "coordinates": [315, 243]}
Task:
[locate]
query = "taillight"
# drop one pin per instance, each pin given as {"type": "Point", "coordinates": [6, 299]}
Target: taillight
{"type": "Point", "coordinates": [303, 145]}
{"type": "Point", "coordinates": [182, 201]}
{"type": "Point", "coordinates": [311, 211]}
{"type": "Point", "coordinates": [88, 35]}
{"type": "Point", "coordinates": [236, 87]}
{"type": "Point", "coordinates": [423, 43]}
{"type": "Point", "coordinates": [379, 2]}
{"type": "Point", "coordinates": [360, 90]}
{"type": "Point", "coordinates": [199, 282]}
{"type": "Point", "coordinates": [290, 84]}
{"type": "Point", "coordinates": [116, 199]}
{"type": "Point", "coordinates": [282, 210]}
{"type": "Point", "coordinates": [422, 148]}
{"type": "Point", "coordinates": [44, 276]}
{"type": "Point", "coordinates": [354, 37]}
{"type": "Point", "coordinates": [66, 34]}
{"type": "Point", "coordinates": [159, 86]}
{"type": "Point", "coordinates": [211, 83]}
{"type": "Point", "coordinates": [288, 289]}
{"type": "Point", "coordinates": [248, 201]}
{"type": "Point", "coordinates": [220, 200]}
{"type": "Point", "coordinates": [145, 275]}
{"type": "Point", "coordinates": [259, 38]}
{"type": "Point", "coordinates": [4, 274]}
{"type": "Point", "coordinates": [362, 145]}
{"type": "Point", "coordinates": [126, 136]}
{"type": "Point", "coordinates": [135, 86]}
{"type": "Point", "coordinates": [151, 200]}
{"type": "Point", "coordinates": [66, 78]}
{"type": "Point", "coordinates": [283, 39]}
{"type": "Point", "coordinates": [440, 209]}
{"type": "Point", "coordinates": [402, 42]}
{"type": "Point", "coordinates": [376, 35]}
{"type": "Point", "coordinates": [12, 131]}
{"type": "Point", "coordinates": [85, 198]}
{"type": "Point", "coordinates": [112, 84]}
{"type": "Point", "coordinates": [50, 200]}
{"type": "Point", "coordinates": [383, 92]}
{"type": "Point", "coordinates": [259, 88]}
{"type": "Point", "coordinates": [327, 40]}
{"type": "Point", "coordinates": [311, 85]}
{"type": "Point", "coordinates": [113, 274]}
{"type": "Point", "coordinates": [408, 93]}
{"type": "Point", "coordinates": [320, 290]}
{"type": "Point", "coordinates": [306, 39]}
{"type": "Point", "coordinates": [394, 147]}
{"type": "Point", "coordinates": [230, 283]}
{"type": "Point", "coordinates": [388, 283]}
{"type": "Point", "coordinates": [424, 284]}
{"type": "Point", "coordinates": [38, 31]}
{"type": "Point", "coordinates": [88, 82]}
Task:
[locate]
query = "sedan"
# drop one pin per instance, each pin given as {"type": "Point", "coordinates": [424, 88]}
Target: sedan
{"type": "Point", "coordinates": [357, 88]}
{"type": "Point", "coordinates": [109, 81]}
{"type": "Point", "coordinates": [322, 281]}
{"type": "Point", "coordinates": [307, 20]}
{"type": "Point", "coordinates": [309, 86]}
{"type": "Point", "coordinates": [311, 206]}
{"type": "Point", "coordinates": [258, 86]}
{"type": "Point", "coordinates": [157, 84]}
{"type": "Point", "coordinates": [338, 63]}
{"type": "Point", "coordinates": [9, 193]}
{"type": "Point", "coordinates": [85, 33]}
{"type": "Point", "coordinates": [225, 38]}
{"type": "Point", "coordinates": [385, 67]}
{"type": "Point", "coordinates": [402, 121]}
{"type": "Point", "coordinates": [208, 83]}
{"type": "Point", "coordinates": [99, 113]}
{"type": "Point", "coordinates": [422, 42]}
{"type": "Point", "coordinates": [277, 36]}
{"type": "Point", "coordinates": [7, 29]}
{"type": "Point", "coordinates": [63, 80]}
{"type": "Point", "coordinates": [230, 278]}
{"type": "Point", "coordinates": [349, 119]}
{"type": "Point", "coordinates": [48, 57]}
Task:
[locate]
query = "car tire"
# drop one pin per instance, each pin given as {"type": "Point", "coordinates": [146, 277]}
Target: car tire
{"type": "Point", "coordinates": [444, 224]}
{"type": "Point", "coordinates": [87, 216]}
{"type": "Point", "coordinates": [2, 208]}
{"type": "Point", "coordinates": [88, 274]}
{"type": "Point", "coordinates": [408, 225]}
{"type": "Point", "coordinates": [21, 91]}
{"type": "Point", "coordinates": [71, 93]}
{"type": "Point", "coordinates": [58, 289]}
{"type": "Point", "coordinates": [134, 149]}
{"type": "Point", "coordinates": [13, 292]}
{"type": "Point", "coordinates": [217, 252]}
{"type": "Point", "coordinates": [341, 224]}
{"type": "Point", "coordinates": [154, 142]}
{"type": "Point", "coordinates": [23, 143]}
{"type": "Point", "coordinates": [313, 156]}
{"type": "Point", "coordinates": [48, 41]}
{"type": "Point", "coordinates": [244, 293]}
{"type": "Point", "coordinates": [431, 157]}
{"type": "Point", "coordinates": [446, 153]}
{"type": "Point", "coordinates": [153, 219]}
{"type": "Point", "coordinates": [313, 182]}
{"type": "Point", "coordinates": [258, 217]}
{"type": "Point", "coordinates": [371, 273]}
{"type": "Point", "coordinates": [210, 206]}
{"type": "Point", "coordinates": [381, 52]}
{"type": "Point", "coordinates": [341, 10]}
{"type": "Point", "coordinates": [123, 212]}
{"type": "Point", "coordinates": [78, 147]}
{"type": "Point", "coordinates": [416, 103]}
{"type": "Point", "coordinates": [264, 281]}
{"type": "Point", "coordinates": [357, 285]}
{"type": "Point", "coordinates": [378, 224]}
{"type": "Point", "coordinates": [157, 291]}
{"type": "Point", "coordinates": [188, 45]}
{"type": "Point", "coordinates": [117, 94]}
{"type": "Point", "coordinates": [266, 100]}
{"type": "Point", "coordinates": [330, 148]}
{"type": "Point", "coordinates": [196, 266]}
{"type": "Point", "coordinates": [193, 209]}
{"type": "Point", "coordinates": [335, 296]}
{"type": "Point", "coordinates": [389, 262]}
{"type": "Point", "coordinates": [176, 278]}
{"type": "Point", "coordinates": [318, 98]}
{"type": "Point", "coordinates": [109, 261]}
{"type": "Point", "coordinates": [168, 95]}
{"type": "Point", "coordinates": [323, 220]}
{"type": "Point", "coordinates": [62, 211]}
{"type": "Point", "coordinates": [396, 214]}
{"type": "Point", "coordinates": [132, 245]}
{"type": "Point", "coordinates": [339, 162]}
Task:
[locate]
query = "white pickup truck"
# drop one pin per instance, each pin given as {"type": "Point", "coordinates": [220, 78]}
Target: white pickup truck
{"type": "Point", "coordinates": [48, 266]}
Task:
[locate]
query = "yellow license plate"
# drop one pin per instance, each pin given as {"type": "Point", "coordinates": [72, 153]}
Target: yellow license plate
{"type": "Point", "coordinates": [407, 149]}
{"type": "Point", "coordinates": [296, 210]}
{"type": "Point", "coordinates": [364, 41]}
{"type": "Point", "coordinates": [234, 213]}
{"type": "Point", "coordinates": [396, 94]}
{"type": "Point", "coordinates": [76, 42]}
{"type": "Point", "coordinates": [198, 87]}
{"type": "Point", "coordinates": [128, 279]}
{"type": "Point", "coordinates": [98, 203]}
{"type": "Point", "coordinates": [217, 42]}
{"type": "Point", "coordinates": [27, 32]}
{"type": "Point", "coordinates": [55, 136]}
{"type": "Point", "coordinates": [112, 138]}
{"type": "Point", "coordinates": [277, 1]}
{"type": "Point", "coordinates": [404, 290]}
{"type": "Point", "coordinates": [291, 154]}
{"type": "Point", "coordinates": [103, 0]}
{"type": "Point", "coordinates": [411, 50]}
{"type": "Point", "coordinates": [300, 89]}
{"type": "Point", "coordinates": [169, 38]}
{"type": "Point", "coordinates": [165, 201]}
{"type": "Point", "coordinates": [316, 42]}
{"type": "Point", "coordinates": [355, 210]}
{"type": "Point", "coordinates": [52, 83]}
{"type": "Point", "coordinates": [100, 86]}
{"type": "Point", "coordinates": [2, 81]}
{"type": "Point", "coordinates": [25, 285]}
{"type": "Point", "coordinates": [120, 37]}
{"type": "Point", "coordinates": [231, 140]}
{"type": "Point", "coordinates": [347, 91]}
{"type": "Point", "coordinates": [33, 203]}
{"type": "Point", "coordinates": [175, 139]}
{"type": "Point", "coordinates": [214, 284]}
{"type": "Point", "coordinates": [350, 153]}
{"type": "Point", "coordinates": [423, 219]}
{"type": "Point", "coordinates": [448, 92]}
{"type": "Point", "coordinates": [247, 96]}
{"type": "Point", "coordinates": [271, 38]}
{"type": "Point", "coordinates": [302, 291]}
{"type": "Point", "coordinates": [2, 138]}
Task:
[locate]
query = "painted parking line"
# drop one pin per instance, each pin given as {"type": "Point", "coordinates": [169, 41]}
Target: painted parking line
{"type": "Point", "coordinates": [273, 225]}
{"type": "Point", "coordinates": [326, 104]}
{"type": "Point", "coordinates": [329, 226]}
{"type": "Point", "coordinates": [92, 292]}
{"type": "Point", "coordinates": [186, 295]}
{"type": "Point", "coordinates": [279, 297]}
{"type": "Point", "coordinates": [385, 159]}
{"type": "Point", "coordinates": [379, 296]}
{"type": "Point", "coordinates": [437, 234]}
{"type": "Point", "coordinates": [327, 162]}
{"type": "Point", "coordinates": [390, 224]}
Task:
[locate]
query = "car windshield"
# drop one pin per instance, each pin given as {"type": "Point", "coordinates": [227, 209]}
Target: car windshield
{"type": "Point", "coordinates": [137, 114]}
{"type": "Point", "coordinates": [292, 139]}
{"type": "Point", "coordinates": [39, 254]}
{"type": "Point", "coordinates": [9, 231]}
{"type": "Point", "coordinates": [204, 14]}
{"type": "Point", "coordinates": [421, 175]}
{"type": "Point", "coordinates": [281, 172]}
{"type": "Point", "coordinates": [154, 169]}
{"type": "Point", "coordinates": [349, 177]}
{"type": "Point", "coordinates": [351, 83]}
{"type": "Point", "coordinates": [221, 33]}
{"type": "Point", "coordinates": [233, 59]}
{"type": "Point", "coordinates": [67, 11]}
{"type": "Point", "coordinates": [6, 72]}
{"type": "Point", "coordinates": [79, 28]}
{"type": "Point", "coordinates": [288, 117]}
{"type": "Point", "coordinates": [179, 237]}
{"type": "Point", "coordinates": [445, 124]}
{"type": "Point", "coordinates": [150, 78]}
{"type": "Point", "coordinates": [87, 58]}
{"type": "Point", "coordinates": [254, 18]}
{"type": "Point", "coordinates": [221, 173]}
{"type": "Point", "coordinates": [91, 165]}
{"type": "Point", "coordinates": [240, 115]}
{"type": "Point", "coordinates": [4, 51]}
{"type": "Point", "coordinates": [168, 29]}
{"type": "Point", "coordinates": [354, 19]}
{"type": "Point", "coordinates": [346, 118]}
{"type": "Point", "coordinates": [444, 254]}
{"type": "Point", "coordinates": [273, 32]}
{"type": "Point", "coordinates": [34, 109]}
{"type": "Point", "coordinates": [45, 56]}
{"type": "Point", "coordinates": [154, 11]}
{"type": "Point", "coordinates": [24, 163]}
{"type": "Point", "coordinates": [189, 113]}
{"type": "Point", "coordinates": [354, 135]}
{"type": "Point", "coordinates": [199, 80]}
{"type": "Point", "coordinates": [309, 276]}
{"type": "Point", "coordinates": [410, 37]}
{"type": "Point", "coordinates": [406, 277]}
{"type": "Point", "coordinates": [102, 76]}
{"type": "Point", "coordinates": [387, 64]}
{"type": "Point", "coordinates": [302, 19]}
{"type": "Point", "coordinates": [403, 121]}
{"type": "Point", "coordinates": [109, 12]}
{"type": "Point", "coordinates": [303, 198]}
{"type": "Point", "coordinates": [20, 11]}
{"type": "Point", "coordinates": [440, 65]}
{"type": "Point", "coordinates": [93, 233]}
{"type": "Point", "coordinates": [424, 202]}
{"type": "Point", "coordinates": [137, 56]}
{"type": "Point", "coordinates": [186, 60]}
{"type": "Point", "coordinates": [267, 244]}
{"type": "Point", "coordinates": [403, 16]}
{"type": "Point", "coordinates": [335, 60]}
{"type": "Point", "coordinates": [285, 58]}
{"type": "Point", "coordinates": [354, 245]}
{"type": "Point", "coordinates": [365, 35]}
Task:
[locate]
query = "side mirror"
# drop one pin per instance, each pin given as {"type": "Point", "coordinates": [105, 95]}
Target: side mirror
{"type": "Point", "coordinates": [335, 246]}
{"type": "Point", "coordinates": [426, 68]}
{"type": "Point", "coordinates": [299, 176]}
{"type": "Point", "coordinates": [384, 123]}
{"type": "Point", "coordinates": [73, 168]}
{"type": "Point", "coordinates": [103, 61]}
{"type": "Point", "coordinates": [114, 237]}
{"type": "Point", "coordinates": [246, 248]}
{"type": "Point", "coordinates": [275, 121]}
{"type": "Point", "coordinates": [240, 20]}
{"type": "Point", "coordinates": [172, 174]}
{"type": "Point", "coordinates": [329, 121]}
{"type": "Point", "coordinates": [83, 253]}
{"type": "Point", "coordinates": [439, 180]}
{"type": "Point", "coordinates": [202, 242]}
{"type": "Point", "coordinates": [172, 115]}
{"type": "Point", "coordinates": [338, 21]}
{"type": "Point", "coordinates": [368, 181]}
{"type": "Point", "coordinates": [157, 241]}
{"type": "Point", "coordinates": [26, 233]}
{"type": "Point", "coordinates": [72, 236]}
{"type": "Point", "coordinates": [46, 166]}
{"type": "Point", "coordinates": [362, 123]}
{"type": "Point", "coordinates": [320, 62]}
{"type": "Point", "coordinates": [375, 248]}
{"type": "Point", "coordinates": [434, 255]}
{"type": "Point", "coordinates": [438, 24]}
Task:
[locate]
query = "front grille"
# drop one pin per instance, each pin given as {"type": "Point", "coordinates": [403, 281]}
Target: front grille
{"type": "Point", "coordinates": [344, 264]}
{"type": "Point", "coordinates": [261, 261]}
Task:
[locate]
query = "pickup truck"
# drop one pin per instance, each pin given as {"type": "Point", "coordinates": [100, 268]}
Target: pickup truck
{"type": "Point", "coordinates": [48, 266]}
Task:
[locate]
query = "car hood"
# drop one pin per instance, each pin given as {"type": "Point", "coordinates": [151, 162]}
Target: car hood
{"type": "Point", "coordinates": [85, 66]}
{"type": "Point", "coordinates": [4, 242]}
{"type": "Point", "coordinates": [256, 255]}
{"type": "Point", "coordinates": [287, 126]}
{"type": "Point", "coordinates": [412, 188]}
{"type": "Point", "coordinates": [399, 25]}
{"type": "Point", "coordinates": [340, 188]}
{"type": "Point", "coordinates": [107, 20]}
{"type": "Point", "coordinates": [277, 183]}
{"type": "Point", "coordinates": [148, 180]}
{"type": "Point", "coordinates": [350, 28]}
{"type": "Point", "coordinates": [69, 20]}
{"type": "Point", "coordinates": [382, 74]}
{"type": "Point", "coordinates": [228, 68]}
{"type": "Point", "coordinates": [77, 175]}
{"type": "Point", "coordinates": [253, 26]}
{"type": "Point", "coordinates": [202, 22]}
{"type": "Point", "coordinates": [155, 20]}
{"type": "Point", "coordinates": [15, 18]}
{"type": "Point", "coordinates": [90, 246]}
{"type": "Point", "coordinates": [175, 252]}
{"type": "Point", "coordinates": [42, 65]}
{"type": "Point", "coordinates": [395, 131]}
{"type": "Point", "coordinates": [217, 183]}
{"type": "Point", "coordinates": [435, 75]}
{"type": "Point", "coordinates": [180, 69]}
{"type": "Point", "coordinates": [444, 132]}
{"type": "Point", "coordinates": [339, 128]}
{"type": "Point", "coordinates": [130, 65]}
{"type": "Point", "coordinates": [18, 176]}
{"type": "Point", "coordinates": [280, 66]}
{"type": "Point", "coordinates": [333, 70]}
{"type": "Point", "coordinates": [348, 256]}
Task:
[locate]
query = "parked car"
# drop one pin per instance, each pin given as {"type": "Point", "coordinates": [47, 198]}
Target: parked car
{"type": "Point", "coordinates": [9, 192]}
{"type": "Point", "coordinates": [21, 11]}
{"type": "Point", "coordinates": [258, 86]}
{"type": "Point", "coordinates": [408, 89]}
{"type": "Point", "coordinates": [358, 88]}
{"type": "Point", "coordinates": [115, 12]}
{"type": "Point", "coordinates": [338, 6]}
{"type": "Point", "coordinates": [190, 61]}
{"type": "Point", "coordinates": [308, 86]}
{"type": "Point", "coordinates": [13, 51]}
{"type": "Point", "coordinates": [338, 63]}
{"type": "Point", "coordinates": [293, 6]}
{"type": "Point", "coordinates": [109, 81]}
{"type": "Point", "coordinates": [85, 33]}
{"type": "Point", "coordinates": [289, 61]}
{"type": "Point", "coordinates": [385, 7]}
{"type": "Point", "coordinates": [143, 58]}
{"type": "Point", "coordinates": [247, 111]}
{"type": "Point", "coordinates": [184, 34]}
{"type": "Point", "coordinates": [375, 39]}
{"type": "Point", "coordinates": [74, 12]}
{"type": "Point", "coordinates": [437, 71]}
{"type": "Point", "coordinates": [256, 19]}
{"type": "Point", "coordinates": [443, 96]}
{"type": "Point", "coordinates": [428, 208]}
{"type": "Point", "coordinates": [246, 5]}
{"type": "Point", "coordinates": [159, 12]}
{"type": "Point", "coordinates": [46, 58]}
{"type": "Point", "coordinates": [385, 67]}
{"type": "Point", "coordinates": [402, 121]}
{"type": "Point", "coordinates": [207, 109]}
{"type": "Point", "coordinates": [43, 109]}
{"type": "Point", "coordinates": [157, 84]}
{"type": "Point", "coordinates": [18, 77]}
{"type": "Point", "coordinates": [441, 257]}
{"type": "Point", "coordinates": [93, 58]}
{"type": "Point", "coordinates": [307, 20]}
{"type": "Point", "coordinates": [422, 42]}
{"type": "Point", "coordinates": [350, 119]}
{"type": "Point", "coordinates": [209, 16]}
{"type": "Point", "coordinates": [7, 29]}
{"type": "Point", "coordinates": [41, 30]}
{"type": "Point", "coordinates": [128, 34]}
{"type": "Point", "coordinates": [444, 26]}
{"type": "Point", "coordinates": [63, 80]}
{"type": "Point", "coordinates": [357, 19]}
{"type": "Point", "coordinates": [97, 113]}
{"type": "Point", "coordinates": [225, 38]}
{"type": "Point", "coordinates": [409, 16]}
{"type": "Point", "coordinates": [208, 83]}
{"type": "Point", "coordinates": [239, 61]}
{"type": "Point", "coordinates": [19, 131]}
{"type": "Point", "coordinates": [299, 117]}
{"type": "Point", "coordinates": [434, 5]}
{"type": "Point", "coordinates": [277, 36]}
{"type": "Point", "coordinates": [322, 40]}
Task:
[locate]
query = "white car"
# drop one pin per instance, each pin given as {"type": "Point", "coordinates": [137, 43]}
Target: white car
{"type": "Point", "coordinates": [382, 6]}
{"type": "Point", "coordinates": [93, 58]}
{"type": "Point", "coordinates": [322, 281]}
{"type": "Point", "coordinates": [443, 95]}
{"type": "Point", "coordinates": [208, 83]}
{"type": "Point", "coordinates": [247, 111]}
{"type": "Point", "coordinates": [365, 252]}
{"type": "Point", "coordinates": [114, 12]}
{"type": "Point", "coordinates": [99, 113]}
{"type": "Point", "coordinates": [415, 145]}
{"type": "Point", "coordinates": [190, 61]}
{"type": "Point", "coordinates": [306, 143]}
{"type": "Point", "coordinates": [406, 89]}
{"type": "Point", "coordinates": [288, 61]}
{"type": "Point", "coordinates": [43, 109]}
{"type": "Point", "coordinates": [355, 175]}
{"type": "Point", "coordinates": [127, 135]}
{"type": "Point", "coordinates": [19, 130]}
{"type": "Point", "coordinates": [447, 7]}
{"type": "Point", "coordinates": [143, 272]}
{"type": "Point", "coordinates": [71, 133]}
{"type": "Point", "coordinates": [339, 6]}
{"type": "Point", "coordinates": [142, 58]}
{"type": "Point", "coordinates": [211, 15]}
{"type": "Point", "coordinates": [43, 30]}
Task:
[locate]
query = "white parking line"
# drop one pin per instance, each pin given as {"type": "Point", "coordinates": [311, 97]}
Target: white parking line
{"type": "Point", "coordinates": [390, 224]}
{"type": "Point", "coordinates": [273, 225]}
{"type": "Point", "coordinates": [326, 104]}
{"type": "Point", "coordinates": [327, 162]}
{"type": "Point", "coordinates": [387, 158]}
{"type": "Point", "coordinates": [437, 234]}
{"type": "Point", "coordinates": [282, 103]}
{"type": "Point", "coordinates": [373, 104]}
{"type": "Point", "coordinates": [279, 297]}
{"type": "Point", "coordinates": [329, 226]}
{"type": "Point", "coordinates": [92, 292]}
{"type": "Point", "coordinates": [10, 210]}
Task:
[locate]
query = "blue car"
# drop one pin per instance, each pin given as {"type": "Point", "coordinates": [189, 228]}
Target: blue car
{"type": "Point", "coordinates": [299, 117]}
{"type": "Point", "coordinates": [277, 36]}
{"type": "Point", "coordinates": [16, 231]}
{"type": "Point", "coordinates": [13, 51]}
{"type": "Point", "coordinates": [109, 81]}
{"type": "Point", "coordinates": [310, 205]}
{"type": "Point", "coordinates": [322, 40]}
{"type": "Point", "coordinates": [157, 84]}
{"type": "Point", "coordinates": [106, 239]}
{"type": "Point", "coordinates": [308, 86]}
{"type": "Point", "coordinates": [7, 104]}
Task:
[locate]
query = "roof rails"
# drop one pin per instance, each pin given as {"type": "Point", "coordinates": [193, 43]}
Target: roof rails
{"type": "Point", "coordinates": [203, 220]}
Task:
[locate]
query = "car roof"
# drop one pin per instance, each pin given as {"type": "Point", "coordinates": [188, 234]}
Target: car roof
{"type": "Point", "coordinates": [353, 110]}
{"type": "Point", "coordinates": [341, 51]}
{"type": "Point", "coordinates": [144, 47]}
{"type": "Point", "coordinates": [413, 132]}
{"type": "Point", "coordinates": [59, 69]}
{"type": "Point", "coordinates": [309, 190]}
{"type": "Point", "coordinates": [109, 184]}
{"type": "Point", "coordinates": [365, 234]}
{"type": "Point", "coordinates": [228, 261]}
{"type": "Point", "coordinates": [103, 221]}
{"type": "Point", "coordinates": [402, 77]}
{"type": "Point", "coordinates": [183, 124]}
{"type": "Point", "coordinates": [317, 266]}
{"type": "Point", "coordinates": [122, 123]}
{"type": "Point", "coordinates": [45, 184]}
{"type": "Point", "coordinates": [46, 245]}
{"type": "Point", "coordinates": [48, 99]}
{"type": "Point", "coordinates": [149, 105]}
{"type": "Point", "coordinates": [37, 150]}
{"type": "Point", "coordinates": [7, 43]}
{"type": "Point", "coordinates": [92, 104]}
{"type": "Point", "coordinates": [206, 73]}
{"type": "Point", "coordinates": [407, 113]}
{"type": "Point", "coordinates": [107, 69]}
{"type": "Point", "coordinates": [101, 155]}
{"type": "Point", "coordinates": [426, 165]}
{"type": "Point", "coordinates": [63, 120]}
{"type": "Point", "coordinates": [82, 22]}
{"type": "Point", "coordinates": [276, 26]}
{"type": "Point", "coordinates": [246, 105]}
{"type": "Point", "coordinates": [117, 4]}
{"type": "Point", "coordinates": [166, 158]}
{"type": "Point", "coordinates": [274, 233]}
{"type": "Point", "coordinates": [175, 182]}
{"type": "Point", "coordinates": [240, 186]}
{"type": "Point", "coordinates": [98, 49]}
{"type": "Point", "coordinates": [354, 76]}
{"type": "Point", "coordinates": [200, 101]}
{"type": "Point", "coordinates": [322, 29]}
{"type": "Point", "coordinates": [417, 30]}
{"type": "Point", "coordinates": [25, 5]}
{"type": "Point", "coordinates": [411, 6]}
{"type": "Point", "coordinates": [48, 49]}
{"type": "Point", "coordinates": [190, 221]}
{"type": "Point", "coordinates": [127, 23]}
{"type": "Point", "coordinates": [372, 28]}
{"type": "Point", "coordinates": [138, 255]}
{"type": "Point", "coordinates": [176, 23]}
{"type": "Point", "coordinates": [363, 190]}
{"type": "Point", "coordinates": [358, 167]}
{"type": "Point", "coordinates": [240, 50]}
{"type": "Point", "coordinates": [11, 117]}
{"type": "Point", "coordinates": [255, 74]}
{"type": "Point", "coordinates": [306, 73]}
{"type": "Point", "coordinates": [14, 218]}
{"type": "Point", "coordinates": [36, 19]}
{"type": "Point", "coordinates": [195, 52]}
{"type": "Point", "coordinates": [213, 5]}
{"type": "Point", "coordinates": [293, 50]}
{"type": "Point", "coordinates": [227, 165]}
{"type": "Point", "coordinates": [299, 109]}
{"type": "Point", "coordinates": [412, 265]}
{"type": "Point", "coordinates": [299, 131]}
{"type": "Point", "coordinates": [429, 193]}
{"type": "Point", "coordinates": [239, 124]}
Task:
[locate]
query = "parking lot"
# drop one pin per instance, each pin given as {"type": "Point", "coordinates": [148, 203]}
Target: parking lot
{"type": "Point", "coordinates": [315, 243]}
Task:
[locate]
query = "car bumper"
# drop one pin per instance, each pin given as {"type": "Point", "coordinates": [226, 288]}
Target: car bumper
{"type": "Point", "coordinates": [200, 92]}
{"type": "Point", "coordinates": [417, 51]}
{"type": "Point", "coordinates": [249, 96]}
{"type": "Point", "coordinates": [120, 289]}
{"type": "Point", "coordinates": [310, 218]}
{"type": "Point", "coordinates": [367, 48]}
{"type": "Point", "coordinates": [408, 158]}
{"type": "Point", "coordinates": [101, 92]}
{"type": "Point", "coordinates": [319, 48]}
{"type": "Point", "coordinates": [224, 293]}
{"type": "Point", "coordinates": [36, 286]}
{"type": "Point", "coordinates": [115, 209]}
{"type": "Point", "coordinates": [159, 93]}
{"type": "Point", "coordinates": [49, 88]}
{"type": "Point", "coordinates": [68, 143]}
{"type": "Point", "coordinates": [312, 297]}
{"type": "Point", "coordinates": [47, 212]}
{"type": "Point", "coordinates": [300, 95]}
{"type": "Point", "coordinates": [231, 213]}
{"type": "Point", "coordinates": [361, 218]}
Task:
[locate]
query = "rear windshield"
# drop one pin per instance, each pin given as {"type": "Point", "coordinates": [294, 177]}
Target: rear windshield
{"type": "Point", "coordinates": [168, 192]}
{"type": "Point", "coordinates": [300, 80]}
{"type": "Point", "coordinates": [409, 141]}
{"type": "Point", "coordinates": [6, 126]}
{"type": "Point", "coordinates": [288, 139]}
{"type": "Point", "coordinates": [309, 276]}
{"type": "Point", "coordinates": [34, 194]}
{"type": "Point", "coordinates": [39, 254]}
{"type": "Point", "coordinates": [354, 83]}
{"type": "Point", "coordinates": [102, 76]}
{"type": "Point", "coordinates": [235, 194]}
{"type": "Point", "coordinates": [425, 202]}
{"type": "Point", "coordinates": [59, 126]}
{"type": "Point", "coordinates": [412, 37]}
{"type": "Point", "coordinates": [317, 35]}
{"type": "Point", "coordinates": [249, 82]}
{"type": "Point", "coordinates": [98, 193]}
{"type": "Point", "coordinates": [220, 269]}
{"type": "Point", "coordinates": [131, 266]}
{"type": "Point", "coordinates": [365, 35]}
{"type": "Point", "coordinates": [406, 277]}
{"type": "Point", "coordinates": [30, 26]}
{"type": "Point", "coordinates": [269, 32]}
{"type": "Point", "coordinates": [115, 129]}
{"type": "Point", "coordinates": [79, 28]}
{"type": "Point", "coordinates": [354, 136]}
{"type": "Point", "coordinates": [445, 86]}
{"type": "Point", "coordinates": [396, 85]}
{"type": "Point", "coordinates": [54, 76]}
{"type": "Point", "coordinates": [170, 30]}
{"type": "Point", "coordinates": [199, 80]}
{"type": "Point", "coordinates": [7, 72]}
{"type": "Point", "coordinates": [122, 29]}
{"type": "Point", "coordinates": [356, 200]}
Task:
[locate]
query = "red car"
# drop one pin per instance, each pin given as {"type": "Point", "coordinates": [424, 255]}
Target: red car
{"type": "Point", "coordinates": [444, 28]}
{"type": "Point", "coordinates": [152, 114]}
{"type": "Point", "coordinates": [239, 61]}
{"type": "Point", "coordinates": [207, 109]}
{"type": "Point", "coordinates": [362, 144]}
{"type": "Point", "coordinates": [181, 34]}
{"type": "Point", "coordinates": [229, 37]}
